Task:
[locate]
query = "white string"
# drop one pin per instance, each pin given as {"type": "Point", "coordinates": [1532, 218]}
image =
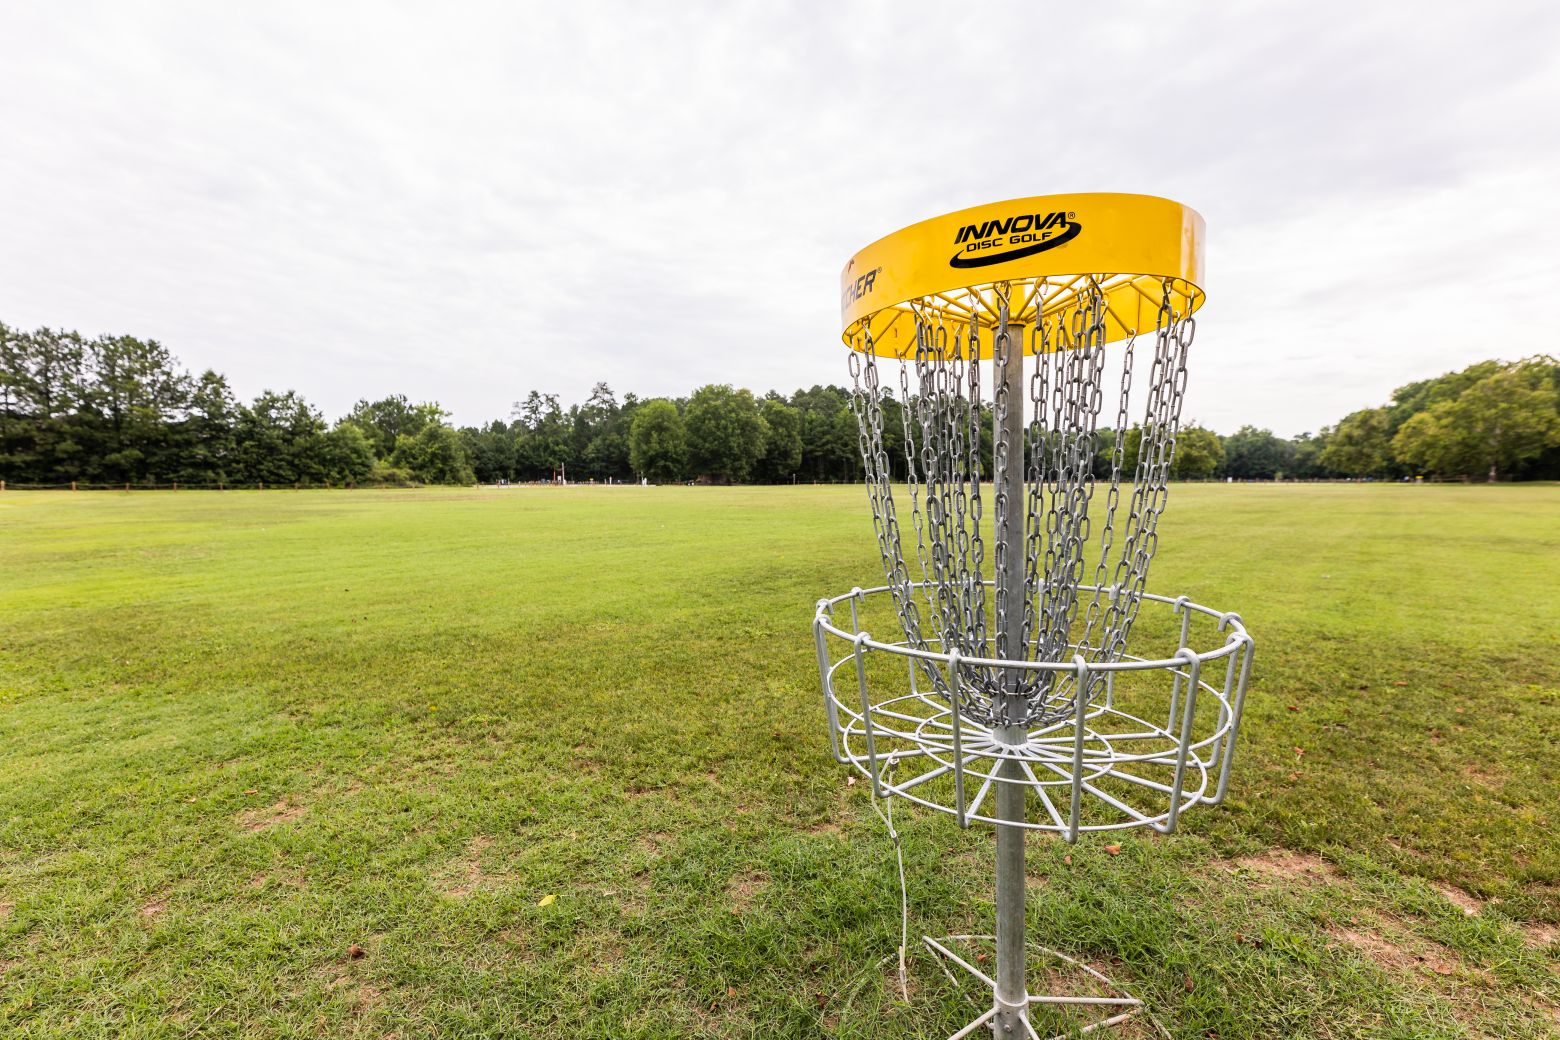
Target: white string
{"type": "Point", "coordinates": [904, 901]}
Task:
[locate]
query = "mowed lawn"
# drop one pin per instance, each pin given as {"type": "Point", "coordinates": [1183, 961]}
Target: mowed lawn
{"type": "Point", "coordinates": [551, 763]}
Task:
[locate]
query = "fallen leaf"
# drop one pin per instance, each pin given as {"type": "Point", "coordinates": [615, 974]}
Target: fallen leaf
{"type": "Point", "coordinates": [1400, 684]}
{"type": "Point", "coordinates": [980, 958]}
{"type": "Point", "coordinates": [850, 781]}
{"type": "Point", "coordinates": [1067, 860]}
{"type": "Point", "coordinates": [546, 901]}
{"type": "Point", "coordinates": [731, 991]}
{"type": "Point", "coordinates": [251, 790]}
{"type": "Point", "coordinates": [1188, 984]}
{"type": "Point", "coordinates": [1113, 850]}
{"type": "Point", "coordinates": [1294, 707]}
{"type": "Point", "coordinates": [1299, 751]}
{"type": "Point", "coordinates": [356, 952]}
{"type": "Point", "coordinates": [1294, 776]}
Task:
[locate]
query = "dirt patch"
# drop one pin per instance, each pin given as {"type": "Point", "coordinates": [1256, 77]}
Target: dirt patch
{"type": "Point", "coordinates": [826, 827]}
{"type": "Point", "coordinates": [1396, 951]}
{"type": "Point", "coordinates": [5, 910]}
{"type": "Point", "coordinates": [154, 908]}
{"type": "Point", "coordinates": [652, 843]}
{"type": "Point", "coordinates": [744, 887]}
{"type": "Point", "coordinates": [1284, 865]}
{"type": "Point", "coordinates": [1540, 935]}
{"type": "Point", "coordinates": [464, 875]}
{"type": "Point", "coordinates": [1460, 899]}
{"type": "Point", "coordinates": [346, 979]}
{"type": "Point", "coordinates": [284, 811]}
{"type": "Point", "coordinates": [1483, 775]}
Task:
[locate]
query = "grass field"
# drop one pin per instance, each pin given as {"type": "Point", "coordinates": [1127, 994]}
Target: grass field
{"type": "Point", "coordinates": [550, 763]}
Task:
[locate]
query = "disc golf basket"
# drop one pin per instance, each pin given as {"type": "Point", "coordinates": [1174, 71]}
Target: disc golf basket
{"type": "Point", "coordinates": [1026, 678]}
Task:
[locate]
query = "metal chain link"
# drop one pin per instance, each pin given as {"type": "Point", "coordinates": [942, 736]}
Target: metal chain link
{"type": "Point", "coordinates": [943, 417]}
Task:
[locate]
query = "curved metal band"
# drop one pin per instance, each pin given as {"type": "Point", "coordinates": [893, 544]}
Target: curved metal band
{"type": "Point", "coordinates": [1132, 246]}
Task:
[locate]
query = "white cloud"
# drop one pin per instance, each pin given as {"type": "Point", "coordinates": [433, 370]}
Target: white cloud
{"type": "Point", "coordinates": [465, 203]}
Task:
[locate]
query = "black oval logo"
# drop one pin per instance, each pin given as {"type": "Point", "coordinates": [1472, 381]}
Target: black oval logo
{"type": "Point", "coordinates": [998, 241]}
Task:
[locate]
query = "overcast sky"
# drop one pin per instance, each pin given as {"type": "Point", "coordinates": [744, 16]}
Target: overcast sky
{"type": "Point", "coordinates": [465, 202]}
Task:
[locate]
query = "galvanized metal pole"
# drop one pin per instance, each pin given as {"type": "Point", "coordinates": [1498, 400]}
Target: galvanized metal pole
{"type": "Point", "coordinates": [1008, 484]}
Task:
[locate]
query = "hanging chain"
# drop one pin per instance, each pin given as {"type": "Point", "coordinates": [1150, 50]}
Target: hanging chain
{"type": "Point", "coordinates": [944, 422]}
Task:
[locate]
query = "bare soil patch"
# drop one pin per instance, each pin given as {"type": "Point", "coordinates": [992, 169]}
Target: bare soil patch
{"type": "Point", "coordinates": [464, 875]}
{"type": "Point", "coordinates": [1284, 865]}
{"type": "Point", "coordinates": [744, 887]}
{"type": "Point", "coordinates": [1540, 935]}
{"type": "Point", "coordinates": [1460, 899]}
{"type": "Point", "coordinates": [284, 811]}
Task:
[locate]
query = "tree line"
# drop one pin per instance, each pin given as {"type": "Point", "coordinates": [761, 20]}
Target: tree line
{"type": "Point", "coordinates": [121, 410]}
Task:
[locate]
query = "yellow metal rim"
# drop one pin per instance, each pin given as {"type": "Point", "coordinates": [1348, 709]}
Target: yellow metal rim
{"type": "Point", "coordinates": [1040, 253]}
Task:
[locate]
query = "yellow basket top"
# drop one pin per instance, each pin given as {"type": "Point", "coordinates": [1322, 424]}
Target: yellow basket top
{"type": "Point", "coordinates": [1047, 249]}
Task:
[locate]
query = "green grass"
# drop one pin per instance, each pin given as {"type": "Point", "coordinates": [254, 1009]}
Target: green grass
{"type": "Point", "coordinates": [301, 764]}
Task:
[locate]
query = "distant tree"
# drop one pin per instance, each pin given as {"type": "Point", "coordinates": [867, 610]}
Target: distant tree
{"type": "Point", "coordinates": [1307, 455]}
{"type": "Point", "coordinates": [278, 439]}
{"type": "Point", "coordinates": [1425, 394]}
{"type": "Point", "coordinates": [208, 434]}
{"type": "Point", "coordinates": [543, 445]}
{"type": "Point", "coordinates": [136, 394]}
{"type": "Point", "coordinates": [725, 432]}
{"type": "Point", "coordinates": [657, 441]}
{"type": "Point", "coordinates": [829, 449]}
{"type": "Point", "coordinates": [346, 454]}
{"type": "Point", "coordinates": [491, 450]}
{"type": "Point", "coordinates": [434, 455]}
{"type": "Point", "coordinates": [1361, 445]}
{"type": "Point", "coordinates": [600, 445]}
{"type": "Point", "coordinates": [1503, 419]}
{"type": "Point", "coordinates": [1198, 453]}
{"type": "Point", "coordinates": [1253, 454]}
{"type": "Point", "coordinates": [782, 441]}
{"type": "Point", "coordinates": [389, 419]}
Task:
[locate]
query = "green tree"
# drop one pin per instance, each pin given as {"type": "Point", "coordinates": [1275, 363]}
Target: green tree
{"type": "Point", "coordinates": [491, 450]}
{"type": "Point", "coordinates": [278, 438]}
{"type": "Point", "coordinates": [782, 441]}
{"type": "Point", "coordinates": [1308, 454]}
{"type": "Point", "coordinates": [207, 434]}
{"type": "Point", "coordinates": [1198, 453]}
{"type": "Point", "coordinates": [389, 419]}
{"type": "Point", "coordinates": [1361, 445]}
{"type": "Point", "coordinates": [829, 438]}
{"type": "Point", "coordinates": [1503, 419]}
{"type": "Point", "coordinates": [346, 454]}
{"type": "Point", "coordinates": [1253, 454]}
{"type": "Point", "coordinates": [725, 433]}
{"type": "Point", "coordinates": [434, 455]}
{"type": "Point", "coordinates": [657, 441]}
{"type": "Point", "coordinates": [543, 446]}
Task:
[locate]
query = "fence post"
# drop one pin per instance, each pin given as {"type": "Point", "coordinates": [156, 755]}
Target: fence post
{"type": "Point", "coordinates": [175, 485]}
{"type": "Point", "coordinates": [127, 485]}
{"type": "Point", "coordinates": [73, 485]}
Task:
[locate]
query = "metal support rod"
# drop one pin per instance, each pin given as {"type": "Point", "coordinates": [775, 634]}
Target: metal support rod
{"type": "Point", "coordinates": [1012, 997]}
